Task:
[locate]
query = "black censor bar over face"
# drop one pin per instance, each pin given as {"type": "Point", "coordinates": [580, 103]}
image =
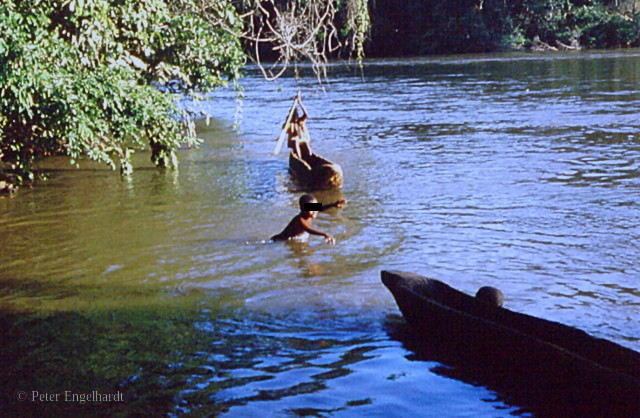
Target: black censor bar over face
{"type": "Point", "coordinates": [313, 206]}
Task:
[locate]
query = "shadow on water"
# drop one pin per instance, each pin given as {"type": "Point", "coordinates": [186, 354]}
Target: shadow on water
{"type": "Point", "coordinates": [449, 364]}
{"type": "Point", "coordinates": [136, 356]}
{"type": "Point", "coordinates": [206, 362]}
{"type": "Point", "coordinates": [528, 395]}
{"type": "Point", "coordinates": [159, 361]}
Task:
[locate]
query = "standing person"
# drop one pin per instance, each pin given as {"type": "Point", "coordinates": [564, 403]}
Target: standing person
{"type": "Point", "coordinates": [298, 134]}
{"type": "Point", "coordinates": [300, 226]}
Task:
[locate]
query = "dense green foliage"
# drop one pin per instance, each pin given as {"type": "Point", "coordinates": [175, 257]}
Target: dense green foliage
{"type": "Point", "coordinates": [417, 27]}
{"type": "Point", "coordinates": [85, 78]}
{"type": "Point", "coordinates": [100, 78]}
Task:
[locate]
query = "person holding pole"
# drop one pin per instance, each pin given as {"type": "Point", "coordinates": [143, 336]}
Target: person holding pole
{"type": "Point", "coordinates": [296, 132]}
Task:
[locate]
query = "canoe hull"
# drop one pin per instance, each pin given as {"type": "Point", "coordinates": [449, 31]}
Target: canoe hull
{"type": "Point", "coordinates": [543, 362]}
{"type": "Point", "coordinates": [320, 174]}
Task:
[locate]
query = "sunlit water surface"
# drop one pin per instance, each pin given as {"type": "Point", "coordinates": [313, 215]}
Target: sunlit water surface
{"type": "Point", "coordinates": [517, 171]}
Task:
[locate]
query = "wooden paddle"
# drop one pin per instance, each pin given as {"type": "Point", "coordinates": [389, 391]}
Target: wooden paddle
{"type": "Point", "coordinates": [283, 134]}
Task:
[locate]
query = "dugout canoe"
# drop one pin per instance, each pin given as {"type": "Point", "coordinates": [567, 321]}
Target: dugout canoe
{"type": "Point", "coordinates": [315, 172]}
{"type": "Point", "coordinates": [557, 367]}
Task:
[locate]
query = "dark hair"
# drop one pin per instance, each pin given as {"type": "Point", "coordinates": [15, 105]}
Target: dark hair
{"type": "Point", "coordinates": [306, 198]}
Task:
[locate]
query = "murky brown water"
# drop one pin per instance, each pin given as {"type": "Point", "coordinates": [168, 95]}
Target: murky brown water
{"type": "Point", "coordinates": [517, 171]}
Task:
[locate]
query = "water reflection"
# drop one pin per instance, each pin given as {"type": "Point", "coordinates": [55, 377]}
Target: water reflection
{"type": "Point", "coordinates": [304, 254]}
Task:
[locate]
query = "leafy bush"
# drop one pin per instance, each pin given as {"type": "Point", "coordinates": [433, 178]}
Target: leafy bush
{"type": "Point", "coordinates": [612, 31]}
{"type": "Point", "coordinates": [80, 77]}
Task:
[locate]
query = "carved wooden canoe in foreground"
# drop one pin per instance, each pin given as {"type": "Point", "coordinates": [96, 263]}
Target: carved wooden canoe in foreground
{"type": "Point", "coordinates": [559, 368]}
{"type": "Point", "coordinates": [316, 172]}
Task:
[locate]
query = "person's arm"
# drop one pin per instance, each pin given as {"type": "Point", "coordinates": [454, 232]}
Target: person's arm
{"type": "Point", "coordinates": [305, 115]}
{"type": "Point", "coordinates": [315, 231]}
{"type": "Point", "coordinates": [328, 238]}
{"type": "Point", "coordinates": [337, 204]}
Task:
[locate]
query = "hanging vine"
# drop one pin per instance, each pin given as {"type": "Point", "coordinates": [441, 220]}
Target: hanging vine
{"type": "Point", "coordinates": [289, 31]}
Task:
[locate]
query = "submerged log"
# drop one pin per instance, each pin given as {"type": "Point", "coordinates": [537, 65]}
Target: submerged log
{"type": "Point", "coordinates": [557, 368]}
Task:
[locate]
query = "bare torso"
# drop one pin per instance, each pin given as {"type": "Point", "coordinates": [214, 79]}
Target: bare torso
{"type": "Point", "coordinates": [299, 229]}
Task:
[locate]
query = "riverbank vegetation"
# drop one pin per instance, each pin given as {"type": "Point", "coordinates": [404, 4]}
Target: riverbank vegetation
{"type": "Point", "coordinates": [417, 27]}
{"type": "Point", "coordinates": [81, 78]}
{"type": "Point", "coordinates": [100, 79]}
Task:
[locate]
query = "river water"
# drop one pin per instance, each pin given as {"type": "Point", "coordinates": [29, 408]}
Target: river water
{"type": "Point", "coordinates": [519, 171]}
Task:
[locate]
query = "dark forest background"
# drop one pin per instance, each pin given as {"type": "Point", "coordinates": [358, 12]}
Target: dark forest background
{"type": "Point", "coordinates": [422, 27]}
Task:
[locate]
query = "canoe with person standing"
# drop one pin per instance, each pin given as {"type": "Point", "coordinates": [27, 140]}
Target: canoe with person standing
{"type": "Point", "coordinates": [312, 171]}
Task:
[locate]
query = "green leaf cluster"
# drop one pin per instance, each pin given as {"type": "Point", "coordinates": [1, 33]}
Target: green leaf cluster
{"type": "Point", "coordinates": [100, 78]}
